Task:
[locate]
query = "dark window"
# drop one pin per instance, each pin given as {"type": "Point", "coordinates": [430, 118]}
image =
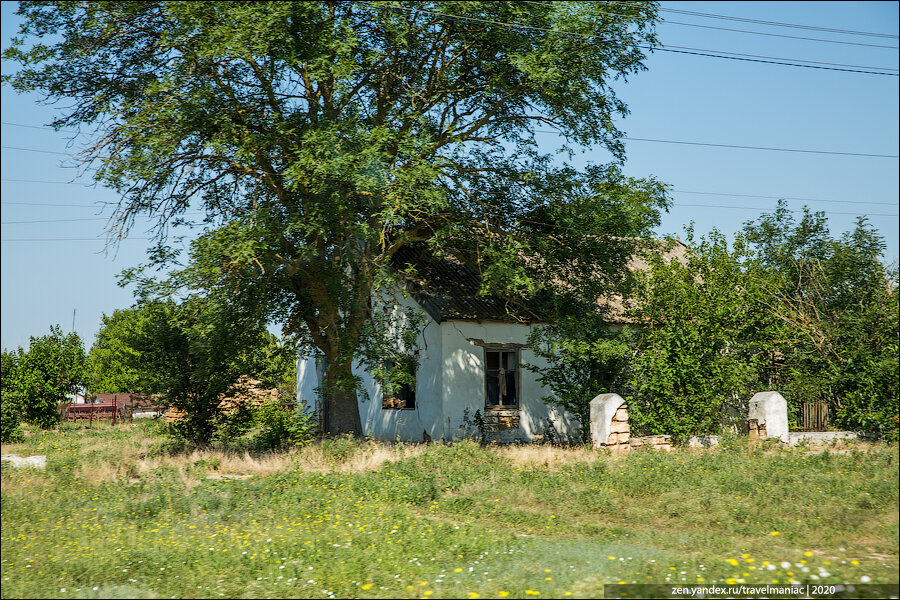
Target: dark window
{"type": "Point", "coordinates": [501, 377]}
{"type": "Point", "coordinates": [402, 392]}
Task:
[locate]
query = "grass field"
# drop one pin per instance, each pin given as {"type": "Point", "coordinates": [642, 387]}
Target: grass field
{"type": "Point", "coordinates": [118, 514]}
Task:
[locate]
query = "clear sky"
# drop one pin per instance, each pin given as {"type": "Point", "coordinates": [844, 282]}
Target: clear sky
{"type": "Point", "coordinates": [55, 270]}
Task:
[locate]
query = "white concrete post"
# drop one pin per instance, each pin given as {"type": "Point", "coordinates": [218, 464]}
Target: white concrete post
{"type": "Point", "coordinates": [770, 409]}
{"type": "Point", "coordinates": [603, 409]}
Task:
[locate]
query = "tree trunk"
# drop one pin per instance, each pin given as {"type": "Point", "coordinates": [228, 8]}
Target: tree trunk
{"type": "Point", "coordinates": [341, 411]}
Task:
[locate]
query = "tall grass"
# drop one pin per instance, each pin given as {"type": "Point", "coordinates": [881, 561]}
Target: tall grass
{"type": "Point", "coordinates": [117, 514]}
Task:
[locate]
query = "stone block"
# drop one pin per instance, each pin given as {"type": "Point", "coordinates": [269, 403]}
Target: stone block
{"type": "Point", "coordinates": [621, 414]}
{"type": "Point", "coordinates": [619, 427]}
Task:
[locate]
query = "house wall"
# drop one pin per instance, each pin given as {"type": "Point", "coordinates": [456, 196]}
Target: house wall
{"type": "Point", "coordinates": [463, 382]}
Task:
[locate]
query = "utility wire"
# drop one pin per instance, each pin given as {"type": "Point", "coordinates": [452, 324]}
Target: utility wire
{"type": "Point", "coordinates": [781, 35]}
{"type": "Point", "coordinates": [63, 205]}
{"type": "Point", "coordinates": [33, 150]}
{"type": "Point", "coordinates": [742, 147]}
{"type": "Point", "coordinates": [784, 198]}
{"type": "Point", "coordinates": [771, 149]}
{"type": "Point", "coordinates": [66, 239]}
{"type": "Point", "coordinates": [830, 212]}
{"type": "Point", "coordinates": [677, 49]}
{"type": "Point", "coordinates": [775, 23]}
{"type": "Point", "coordinates": [53, 221]}
{"type": "Point", "coordinates": [798, 199]}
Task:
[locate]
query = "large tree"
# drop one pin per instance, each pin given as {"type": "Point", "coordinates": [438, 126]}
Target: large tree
{"type": "Point", "coordinates": [321, 137]}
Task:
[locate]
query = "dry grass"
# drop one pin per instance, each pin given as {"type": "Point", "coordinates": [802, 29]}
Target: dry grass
{"type": "Point", "coordinates": [545, 455]}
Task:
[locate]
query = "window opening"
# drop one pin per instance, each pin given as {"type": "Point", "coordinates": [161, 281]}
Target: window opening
{"type": "Point", "coordinates": [501, 377]}
{"type": "Point", "coordinates": [401, 392]}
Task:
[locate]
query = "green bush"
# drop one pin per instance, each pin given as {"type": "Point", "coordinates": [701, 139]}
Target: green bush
{"type": "Point", "coordinates": [272, 425]}
{"type": "Point", "coordinates": [10, 417]}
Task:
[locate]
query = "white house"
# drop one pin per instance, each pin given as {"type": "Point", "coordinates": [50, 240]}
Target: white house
{"type": "Point", "coordinates": [470, 359]}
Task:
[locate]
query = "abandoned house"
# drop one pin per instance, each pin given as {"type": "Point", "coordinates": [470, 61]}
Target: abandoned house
{"type": "Point", "coordinates": [470, 357]}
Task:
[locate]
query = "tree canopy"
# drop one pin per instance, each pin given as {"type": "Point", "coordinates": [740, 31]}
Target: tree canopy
{"type": "Point", "coordinates": [318, 138]}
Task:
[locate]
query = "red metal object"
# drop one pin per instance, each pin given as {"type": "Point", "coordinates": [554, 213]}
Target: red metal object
{"type": "Point", "coordinates": [101, 411]}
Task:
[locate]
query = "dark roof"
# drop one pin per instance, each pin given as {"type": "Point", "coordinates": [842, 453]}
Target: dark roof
{"type": "Point", "coordinates": [448, 290]}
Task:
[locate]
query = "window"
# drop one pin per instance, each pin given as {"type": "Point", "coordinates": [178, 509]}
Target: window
{"type": "Point", "coordinates": [501, 380]}
{"type": "Point", "coordinates": [400, 385]}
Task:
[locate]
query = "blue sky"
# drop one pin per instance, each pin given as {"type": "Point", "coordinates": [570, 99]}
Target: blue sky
{"type": "Point", "coordinates": [54, 261]}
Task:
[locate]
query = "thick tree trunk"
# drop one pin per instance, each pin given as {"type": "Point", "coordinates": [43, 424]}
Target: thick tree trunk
{"type": "Point", "coordinates": [341, 411]}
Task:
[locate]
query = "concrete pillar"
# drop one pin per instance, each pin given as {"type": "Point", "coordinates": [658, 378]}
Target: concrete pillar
{"type": "Point", "coordinates": [603, 412]}
{"type": "Point", "coordinates": [769, 410]}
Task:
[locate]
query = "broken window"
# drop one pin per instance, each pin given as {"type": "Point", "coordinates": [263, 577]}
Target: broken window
{"type": "Point", "coordinates": [400, 385]}
{"type": "Point", "coordinates": [501, 380]}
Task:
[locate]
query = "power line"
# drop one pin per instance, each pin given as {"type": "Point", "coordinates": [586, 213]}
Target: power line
{"type": "Point", "coordinates": [66, 239]}
{"type": "Point", "coordinates": [777, 23]}
{"type": "Point", "coordinates": [33, 150]}
{"type": "Point", "coordinates": [63, 205]}
{"type": "Point", "coordinates": [38, 127]}
{"type": "Point", "coordinates": [634, 139]}
{"type": "Point", "coordinates": [53, 221]}
{"type": "Point", "coordinates": [777, 60]}
{"type": "Point", "coordinates": [781, 35]}
{"type": "Point", "coordinates": [773, 23]}
{"type": "Point", "coordinates": [771, 149]}
{"type": "Point", "coordinates": [785, 198]}
{"type": "Point", "coordinates": [677, 49]}
{"type": "Point", "coordinates": [43, 181]}
{"type": "Point", "coordinates": [830, 212]}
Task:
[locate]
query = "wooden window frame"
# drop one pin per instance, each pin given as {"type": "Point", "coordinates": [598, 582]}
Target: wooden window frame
{"type": "Point", "coordinates": [517, 348]}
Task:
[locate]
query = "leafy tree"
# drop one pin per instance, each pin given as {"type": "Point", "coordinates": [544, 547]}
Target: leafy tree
{"type": "Point", "coordinates": [53, 366]}
{"type": "Point", "coordinates": [194, 352]}
{"type": "Point", "coordinates": [321, 137]}
{"type": "Point", "coordinates": [117, 360]}
{"type": "Point", "coordinates": [786, 307]}
{"type": "Point", "coordinates": [702, 339]}
{"type": "Point", "coordinates": [837, 303]}
{"type": "Point", "coordinates": [114, 361]}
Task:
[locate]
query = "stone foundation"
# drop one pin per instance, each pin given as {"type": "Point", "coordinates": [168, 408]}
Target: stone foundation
{"type": "Point", "coordinates": [501, 419]}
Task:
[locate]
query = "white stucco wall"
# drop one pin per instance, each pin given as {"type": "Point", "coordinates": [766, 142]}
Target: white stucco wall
{"type": "Point", "coordinates": [463, 384]}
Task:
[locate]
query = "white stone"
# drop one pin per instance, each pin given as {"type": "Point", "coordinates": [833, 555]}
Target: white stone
{"type": "Point", "coordinates": [770, 409]}
{"type": "Point", "coordinates": [703, 441]}
{"type": "Point", "coordinates": [38, 461]}
{"type": "Point", "coordinates": [603, 408]}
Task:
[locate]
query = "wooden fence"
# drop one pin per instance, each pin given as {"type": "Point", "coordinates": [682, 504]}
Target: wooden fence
{"type": "Point", "coordinates": [814, 416]}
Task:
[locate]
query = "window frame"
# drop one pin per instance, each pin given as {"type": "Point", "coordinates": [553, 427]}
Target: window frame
{"type": "Point", "coordinates": [515, 348]}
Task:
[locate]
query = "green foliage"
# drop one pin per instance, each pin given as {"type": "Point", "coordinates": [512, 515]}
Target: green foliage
{"type": "Point", "coordinates": [319, 138]}
{"type": "Point", "coordinates": [838, 305]}
{"type": "Point", "coordinates": [702, 340]}
{"type": "Point", "coordinates": [10, 399]}
{"type": "Point", "coordinates": [53, 366]}
{"type": "Point", "coordinates": [583, 359]}
{"type": "Point", "coordinates": [273, 425]}
{"type": "Point", "coordinates": [195, 352]}
{"type": "Point", "coordinates": [788, 308]}
{"type": "Point", "coordinates": [114, 361]}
